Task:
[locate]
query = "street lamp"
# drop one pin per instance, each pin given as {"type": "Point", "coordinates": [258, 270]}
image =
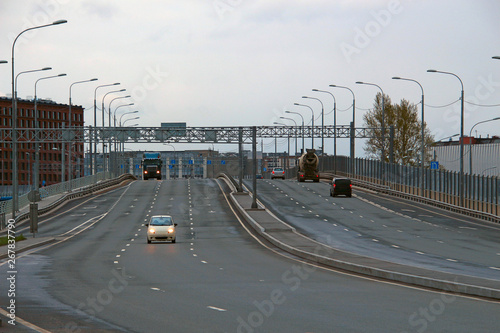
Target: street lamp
{"type": "Point", "coordinates": [295, 132]}
{"type": "Point", "coordinates": [322, 124]}
{"type": "Point", "coordinates": [422, 151]}
{"type": "Point", "coordinates": [470, 141]}
{"type": "Point", "coordinates": [461, 182]}
{"type": "Point", "coordinates": [120, 121]}
{"type": "Point", "coordinates": [94, 164]}
{"type": "Point", "coordinates": [334, 128]}
{"type": "Point", "coordinates": [292, 112]}
{"type": "Point", "coordinates": [14, 120]}
{"type": "Point", "coordinates": [312, 120]}
{"type": "Point", "coordinates": [353, 124]}
{"type": "Point", "coordinates": [276, 144]}
{"type": "Point", "coordinates": [70, 167]}
{"type": "Point", "coordinates": [106, 166]}
{"type": "Point", "coordinates": [383, 128]}
{"type": "Point", "coordinates": [130, 119]}
{"type": "Point", "coordinates": [36, 177]}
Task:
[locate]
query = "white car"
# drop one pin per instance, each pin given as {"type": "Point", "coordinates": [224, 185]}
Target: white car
{"type": "Point", "coordinates": [161, 228]}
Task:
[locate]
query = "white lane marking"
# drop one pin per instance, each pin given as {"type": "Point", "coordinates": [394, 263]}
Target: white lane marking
{"type": "Point", "coordinates": [90, 207]}
{"type": "Point", "coordinates": [441, 242]}
{"type": "Point", "coordinates": [203, 261]}
{"type": "Point", "coordinates": [395, 246]}
{"type": "Point", "coordinates": [407, 210]}
{"type": "Point", "coordinates": [115, 262]}
{"type": "Point", "coordinates": [123, 250]}
{"type": "Point", "coordinates": [418, 252]}
{"type": "Point", "coordinates": [400, 230]}
{"type": "Point", "coordinates": [497, 268]}
{"type": "Point", "coordinates": [157, 289]}
{"type": "Point", "coordinates": [73, 215]}
{"type": "Point", "coordinates": [471, 228]}
{"type": "Point", "coordinates": [195, 255]}
{"type": "Point", "coordinates": [127, 245]}
{"type": "Point", "coordinates": [375, 240]}
{"type": "Point", "coordinates": [216, 308]}
{"type": "Point", "coordinates": [345, 229]}
{"type": "Point", "coordinates": [452, 260]}
{"type": "Point", "coordinates": [118, 256]}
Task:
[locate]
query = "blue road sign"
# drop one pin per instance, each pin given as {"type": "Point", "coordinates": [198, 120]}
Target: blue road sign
{"type": "Point", "coordinates": [190, 161]}
{"type": "Point", "coordinates": [209, 162]}
{"type": "Point", "coordinates": [172, 161]}
{"type": "Point", "coordinates": [137, 166]}
{"type": "Point", "coordinates": [222, 162]}
{"type": "Point", "coordinates": [265, 169]}
{"type": "Point", "coordinates": [434, 165]}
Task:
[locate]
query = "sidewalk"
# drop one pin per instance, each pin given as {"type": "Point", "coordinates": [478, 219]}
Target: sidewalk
{"type": "Point", "coordinates": [286, 238]}
{"type": "Point", "coordinates": [44, 203]}
{"type": "Point", "coordinates": [25, 245]}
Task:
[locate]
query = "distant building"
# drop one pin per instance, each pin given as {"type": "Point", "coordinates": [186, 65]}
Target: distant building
{"type": "Point", "coordinates": [483, 154]}
{"type": "Point", "coordinates": [50, 115]}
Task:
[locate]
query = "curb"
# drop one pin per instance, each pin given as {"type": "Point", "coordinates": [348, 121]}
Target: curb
{"type": "Point", "coordinates": [29, 247]}
{"type": "Point", "coordinates": [422, 281]}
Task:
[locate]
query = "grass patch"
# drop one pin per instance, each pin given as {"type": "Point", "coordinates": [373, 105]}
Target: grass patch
{"type": "Point", "coordinates": [4, 240]}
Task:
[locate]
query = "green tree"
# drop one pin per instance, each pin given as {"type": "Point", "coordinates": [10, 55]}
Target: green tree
{"type": "Point", "coordinates": [407, 131]}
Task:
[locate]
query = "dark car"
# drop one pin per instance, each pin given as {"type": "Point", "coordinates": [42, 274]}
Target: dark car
{"type": "Point", "coordinates": [342, 186]}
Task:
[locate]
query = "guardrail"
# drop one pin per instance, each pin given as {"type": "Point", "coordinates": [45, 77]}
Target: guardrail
{"type": "Point", "coordinates": [443, 205]}
{"type": "Point", "coordinates": [47, 191]}
{"type": "Point", "coordinates": [77, 193]}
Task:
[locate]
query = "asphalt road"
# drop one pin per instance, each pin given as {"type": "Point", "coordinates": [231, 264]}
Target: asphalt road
{"type": "Point", "coordinates": [387, 228]}
{"type": "Point", "coordinates": [104, 277]}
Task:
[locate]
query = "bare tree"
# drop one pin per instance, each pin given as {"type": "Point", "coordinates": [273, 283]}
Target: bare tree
{"type": "Point", "coordinates": [407, 131]}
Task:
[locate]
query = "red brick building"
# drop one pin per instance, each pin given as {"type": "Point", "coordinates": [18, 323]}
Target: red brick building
{"type": "Point", "coordinates": [50, 115]}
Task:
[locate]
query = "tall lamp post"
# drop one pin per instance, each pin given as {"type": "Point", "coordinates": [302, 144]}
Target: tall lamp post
{"type": "Point", "coordinates": [94, 158]}
{"type": "Point", "coordinates": [312, 121]}
{"type": "Point", "coordinates": [1, 160]}
{"type": "Point", "coordinates": [114, 117]}
{"type": "Point", "coordinates": [353, 124]}
{"type": "Point", "coordinates": [14, 120]}
{"type": "Point", "coordinates": [422, 150]}
{"type": "Point", "coordinates": [295, 132]}
{"type": "Point", "coordinates": [461, 181]}
{"type": "Point", "coordinates": [383, 127]}
{"type": "Point", "coordinates": [70, 153]}
{"type": "Point", "coordinates": [334, 128]}
{"type": "Point", "coordinates": [36, 177]}
{"type": "Point", "coordinates": [322, 124]}
{"type": "Point", "coordinates": [106, 166]}
{"type": "Point", "coordinates": [470, 141]}
{"type": "Point", "coordinates": [301, 117]}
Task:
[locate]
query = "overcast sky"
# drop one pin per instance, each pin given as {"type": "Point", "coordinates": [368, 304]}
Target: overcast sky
{"type": "Point", "coordinates": [244, 62]}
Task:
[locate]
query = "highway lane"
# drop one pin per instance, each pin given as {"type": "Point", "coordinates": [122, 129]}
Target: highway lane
{"type": "Point", "coordinates": [387, 228]}
{"type": "Point", "coordinates": [216, 278]}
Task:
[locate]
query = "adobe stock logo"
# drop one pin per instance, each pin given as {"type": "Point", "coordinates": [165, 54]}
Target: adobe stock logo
{"type": "Point", "coordinates": [373, 28]}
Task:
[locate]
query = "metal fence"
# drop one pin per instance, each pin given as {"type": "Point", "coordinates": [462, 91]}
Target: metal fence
{"type": "Point", "coordinates": [47, 191]}
{"type": "Point", "coordinates": [481, 193]}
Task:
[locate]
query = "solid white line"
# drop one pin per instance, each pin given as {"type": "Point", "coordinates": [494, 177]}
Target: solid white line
{"type": "Point", "coordinates": [216, 308]}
